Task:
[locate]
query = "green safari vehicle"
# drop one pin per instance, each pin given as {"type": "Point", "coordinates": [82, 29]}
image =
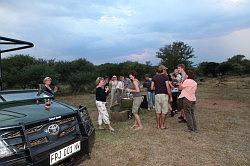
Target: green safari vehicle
{"type": "Point", "coordinates": [31, 134]}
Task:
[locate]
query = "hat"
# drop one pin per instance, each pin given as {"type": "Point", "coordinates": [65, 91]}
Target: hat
{"type": "Point", "coordinates": [162, 67]}
{"type": "Point", "coordinates": [114, 76]}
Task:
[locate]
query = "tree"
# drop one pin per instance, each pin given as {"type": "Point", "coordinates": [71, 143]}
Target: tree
{"type": "Point", "coordinates": [64, 69]}
{"type": "Point", "coordinates": [12, 69]}
{"type": "Point", "coordinates": [33, 75]}
{"type": "Point", "coordinates": [237, 69]}
{"type": "Point", "coordinates": [238, 64]}
{"type": "Point", "coordinates": [246, 64]}
{"type": "Point", "coordinates": [123, 69]}
{"type": "Point", "coordinates": [208, 68]}
{"type": "Point", "coordinates": [224, 68]}
{"type": "Point", "coordinates": [82, 81]}
{"type": "Point", "coordinates": [236, 59]}
{"type": "Point", "coordinates": [176, 53]}
{"type": "Point", "coordinates": [109, 69]}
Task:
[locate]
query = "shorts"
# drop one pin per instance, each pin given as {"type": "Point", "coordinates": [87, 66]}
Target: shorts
{"type": "Point", "coordinates": [136, 104]}
{"type": "Point", "coordinates": [161, 103]}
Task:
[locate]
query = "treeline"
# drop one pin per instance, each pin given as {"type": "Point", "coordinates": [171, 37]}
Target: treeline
{"type": "Point", "coordinates": [24, 71]}
{"type": "Point", "coordinates": [236, 65]}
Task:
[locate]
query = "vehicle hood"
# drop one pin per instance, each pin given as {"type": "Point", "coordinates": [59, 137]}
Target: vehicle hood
{"type": "Point", "coordinates": [26, 113]}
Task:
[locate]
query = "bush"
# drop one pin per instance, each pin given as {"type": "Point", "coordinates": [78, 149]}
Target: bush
{"type": "Point", "coordinates": [82, 82]}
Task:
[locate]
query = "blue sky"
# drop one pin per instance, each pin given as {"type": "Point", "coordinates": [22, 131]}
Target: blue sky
{"type": "Point", "coordinates": [119, 30]}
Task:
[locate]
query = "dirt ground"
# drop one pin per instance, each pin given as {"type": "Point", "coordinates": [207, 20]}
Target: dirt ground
{"type": "Point", "coordinates": [223, 118]}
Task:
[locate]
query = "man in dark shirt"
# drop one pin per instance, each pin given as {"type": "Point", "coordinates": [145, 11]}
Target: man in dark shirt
{"type": "Point", "coordinates": [150, 92]}
{"type": "Point", "coordinates": [162, 94]}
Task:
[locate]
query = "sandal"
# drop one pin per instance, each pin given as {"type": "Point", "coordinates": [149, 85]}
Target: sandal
{"type": "Point", "coordinates": [134, 126]}
{"type": "Point", "coordinates": [138, 128]}
{"type": "Point", "coordinates": [111, 129]}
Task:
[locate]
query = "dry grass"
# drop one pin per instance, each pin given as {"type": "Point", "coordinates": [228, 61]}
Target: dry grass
{"type": "Point", "coordinates": [223, 119]}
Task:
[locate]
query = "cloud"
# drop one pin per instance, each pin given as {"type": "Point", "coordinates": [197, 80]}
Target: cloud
{"type": "Point", "coordinates": [143, 56]}
{"type": "Point", "coordinates": [219, 49]}
{"type": "Point", "coordinates": [95, 29]}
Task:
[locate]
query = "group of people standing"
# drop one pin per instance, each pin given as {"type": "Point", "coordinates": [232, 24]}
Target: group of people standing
{"type": "Point", "coordinates": [118, 88]}
{"type": "Point", "coordinates": [165, 93]}
{"type": "Point", "coordinates": [132, 86]}
{"type": "Point", "coordinates": [172, 93]}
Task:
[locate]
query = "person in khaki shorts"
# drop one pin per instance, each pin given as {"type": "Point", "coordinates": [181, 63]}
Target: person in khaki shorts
{"type": "Point", "coordinates": [160, 83]}
{"type": "Point", "coordinates": [137, 99]}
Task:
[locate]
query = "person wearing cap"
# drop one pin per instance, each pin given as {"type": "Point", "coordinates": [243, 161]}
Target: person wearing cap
{"type": "Point", "coordinates": [101, 95]}
{"type": "Point", "coordinates": [160, 83]}
{"type": "Point", "coordinates": [113, 84]}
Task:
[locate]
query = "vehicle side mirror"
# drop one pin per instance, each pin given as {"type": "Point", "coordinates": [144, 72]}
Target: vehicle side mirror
{"type": "Point", "coordinates": [80, 107]}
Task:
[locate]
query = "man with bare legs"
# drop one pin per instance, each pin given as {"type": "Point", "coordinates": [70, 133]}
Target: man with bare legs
{"type": "Point", "coordinates": [160, 83]}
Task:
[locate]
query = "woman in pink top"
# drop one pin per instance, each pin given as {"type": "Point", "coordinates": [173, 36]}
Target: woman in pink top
{"type": "Point", "coordinates": [189, 87]}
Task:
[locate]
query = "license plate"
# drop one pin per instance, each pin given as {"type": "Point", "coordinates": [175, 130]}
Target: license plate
{"type": "Point", "coordinates": [64, 152]}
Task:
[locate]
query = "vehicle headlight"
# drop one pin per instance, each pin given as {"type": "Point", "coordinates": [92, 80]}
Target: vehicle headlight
{"type": "Point", "coordinates": [4, 150]}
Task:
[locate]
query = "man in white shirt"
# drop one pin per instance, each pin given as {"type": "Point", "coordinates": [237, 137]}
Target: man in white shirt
{"type": "Point", "coordinates": [113, 84]}
{"type": "Point", "coordinates": [120, 89]}
{"type": "Point", "coordinates": [181, 71]}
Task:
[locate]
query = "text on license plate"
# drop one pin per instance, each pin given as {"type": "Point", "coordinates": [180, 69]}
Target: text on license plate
{"type": "Point", "coordinates": [64, 152]}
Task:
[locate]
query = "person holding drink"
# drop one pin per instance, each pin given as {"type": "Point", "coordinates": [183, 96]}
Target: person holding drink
{"type": "Point", "coordinates": [47, 89]}
{"type": "Point", "coordinates": [101, 95]}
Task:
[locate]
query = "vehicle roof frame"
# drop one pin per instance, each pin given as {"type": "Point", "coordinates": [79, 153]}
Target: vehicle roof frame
{"type": "Point", "coordinates": [9, 41]}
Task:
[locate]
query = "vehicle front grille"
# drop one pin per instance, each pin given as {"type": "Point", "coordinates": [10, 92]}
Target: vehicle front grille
{"type": "Point", "coordinates": [11, 134]}
{"type": "Point", "coordinates": [67, 125]}
{"type": "Point", "coordinates": [67, 131]}
{"type": "Point", "coordinates": [38, 135]}
{"type": "Point", "coordinates": [39, 141]}
{"type": "Point", "coordinates": [63, 121]}
{"type": "Point", "coordinates": [35, 129]}
{"type": "Point", "coordinates": [20, 146]}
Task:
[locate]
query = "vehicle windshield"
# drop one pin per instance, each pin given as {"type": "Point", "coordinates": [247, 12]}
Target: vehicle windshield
{"type": "Point", "coordinates": [23, 96]}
